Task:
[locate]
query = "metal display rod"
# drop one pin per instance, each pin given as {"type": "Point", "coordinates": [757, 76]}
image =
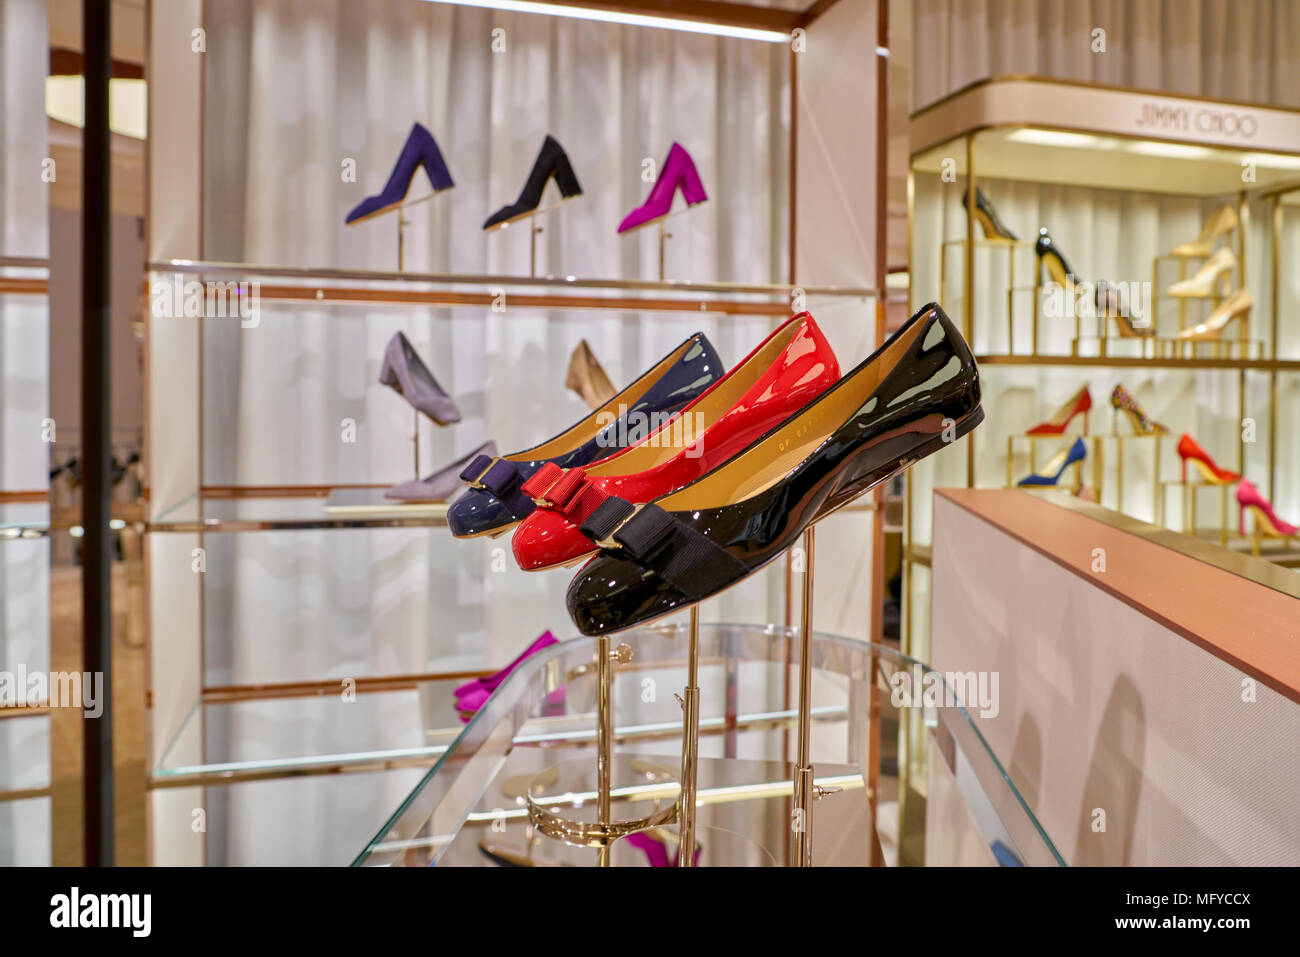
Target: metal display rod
{"type": "Point", "coordinates": [96, 447]}
{"type": "Point", "coordinates": [804, 791]}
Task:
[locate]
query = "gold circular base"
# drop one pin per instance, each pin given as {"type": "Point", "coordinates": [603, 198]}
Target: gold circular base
{"type": "Point", "coordinates": [563, 801]}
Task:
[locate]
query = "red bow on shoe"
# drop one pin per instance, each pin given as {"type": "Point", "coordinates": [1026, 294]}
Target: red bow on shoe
{"type": "Point", "coordinates": [569, 492]}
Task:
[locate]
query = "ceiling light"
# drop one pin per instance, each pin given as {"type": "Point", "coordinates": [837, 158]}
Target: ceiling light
{"type": "Point", "coordinates": [1272, 160]}
{"type": "Point", "coordinates": [631, 19]}
{"type": "Point", "coordinates": [1171, 150]}
{"type": "Point", "coordinates": [1052, 138]}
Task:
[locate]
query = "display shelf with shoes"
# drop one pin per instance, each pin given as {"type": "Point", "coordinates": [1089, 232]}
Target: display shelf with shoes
{"type": "Point", "coordinates": [255, 424]}
{"type": "Point", "coordinates": [1072, 162]}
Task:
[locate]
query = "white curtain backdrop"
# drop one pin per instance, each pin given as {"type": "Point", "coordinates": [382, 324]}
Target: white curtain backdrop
{"type": "Point", "coordinates": [24, 403]}
{"type": "Point", "coordinates": [293, 90]}
{"type": "Point", "coordinates": [1231, 49]}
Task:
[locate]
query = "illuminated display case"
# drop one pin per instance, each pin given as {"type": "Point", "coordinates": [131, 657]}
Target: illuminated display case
{"type": "Point", "coordinates": [1119, 179]}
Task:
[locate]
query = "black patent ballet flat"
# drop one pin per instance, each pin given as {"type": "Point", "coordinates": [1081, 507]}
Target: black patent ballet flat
{"type": "Point", "coordinates": [916, 394]}
{"type": "Point", "coordinates": [987, 217]}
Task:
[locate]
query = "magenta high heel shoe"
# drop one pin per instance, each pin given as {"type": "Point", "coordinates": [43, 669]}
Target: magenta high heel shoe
{"type": "Point", "coordinates": [1266, 520]}
{"type": "Point", "coordinates": [489, 684]}
{"type": "Point", "coordinates": [469, 705]}
{"type": "Point", "coordinates": [655, 849]}
{"type": "Point", "coordinates": [678, 170]}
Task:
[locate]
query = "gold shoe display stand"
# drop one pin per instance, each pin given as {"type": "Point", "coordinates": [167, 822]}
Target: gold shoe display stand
{"type": "Point", "coordinates": [1094, 458]}
{"type": "Point", "coordinates": [1188, 501]}
{"type": "Point", "coordinates": [566, 822]}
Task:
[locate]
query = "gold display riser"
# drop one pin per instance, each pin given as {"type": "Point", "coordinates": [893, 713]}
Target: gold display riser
{"type": "Point", "coordinates": [1240, 347]}
{"type": "Point", "coordinates": [1160, 488]}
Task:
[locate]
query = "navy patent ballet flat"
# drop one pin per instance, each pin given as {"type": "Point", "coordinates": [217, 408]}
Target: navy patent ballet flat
{"type": "Point", "coordinates": [420, 150]}
{"type": "Point", "coordinates": [495, 502]}
{"type": "Point", "coordinates": [916, 394]}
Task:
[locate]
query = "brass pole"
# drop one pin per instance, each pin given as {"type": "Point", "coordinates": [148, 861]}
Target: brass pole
{"type": "Point", "coordinates": [1011, 304]}
{"type": "Point", "coordinates": [401, 239]}
{"type": "Point", "coordinates": [968, 307]}
{"type": "Point", "coordinates": [1275, 283]}
{"type": "Point", "coordinates": [533, 230]}
{"type": "Point", "coordinates": [1241, 413]}
{"type": "Point", "coordinates": [968, 281]}
{"type": "Point", "coordinates": [690, 746]}
{"type": "Point", "coordinates": [1156, 498]}
{"type": "Point", "coordinates": [1119, 473]}
{"type": "Point", "coordinates": [801, 823]}
{"type": "Point", "coordinates": [664, 236]}
{"type": "Point", "coordinates": [1243, 218]}
{"type": "Point", "coordinates": [1223, 517]}
{"type": "Point", "coordinates": [415, 442]}
{"type": "Point", "coordinates": [604, 727]}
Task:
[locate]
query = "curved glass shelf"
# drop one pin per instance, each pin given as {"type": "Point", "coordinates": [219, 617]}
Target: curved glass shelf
{"type": "Point", "coordinates": [471, 807]}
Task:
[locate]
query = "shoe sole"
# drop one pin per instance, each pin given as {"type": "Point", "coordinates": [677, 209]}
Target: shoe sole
{"type": "Point", "coordinates": [392, 206]}
{"type": "Point", "coordinates": [658, 219]}
{"type": "Point", "coordinates": [532, 212]}
{"type": "Point", "coordinates": [568, 564]}
{"type": "Point", "coordinates": [491, 532]}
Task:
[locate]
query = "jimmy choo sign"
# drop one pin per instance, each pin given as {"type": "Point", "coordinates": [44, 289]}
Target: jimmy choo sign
{"type": "Point", "coordinates": [1207, 121]}
{"type": "Point", "coordinates": [1056, 104]}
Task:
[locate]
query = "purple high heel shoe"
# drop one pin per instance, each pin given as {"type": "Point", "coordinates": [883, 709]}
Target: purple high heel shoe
{"type": "Point", "coordinates": [420, 150]}
{"type": "Point", "coordinates": [490, 683]}
{"type": "Point", "coordinates": [678, 170]}
{"type": "Point", "coordinates": [403, 372]}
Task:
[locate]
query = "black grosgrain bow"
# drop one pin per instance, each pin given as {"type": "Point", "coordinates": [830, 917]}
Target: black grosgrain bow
{"type": "Point", "coordinates": [656, 540]}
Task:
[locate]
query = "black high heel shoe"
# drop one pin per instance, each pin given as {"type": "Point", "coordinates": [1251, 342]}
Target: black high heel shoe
{"type": "Point", "coordinates": [1049, 255]}
{"type": "Point", "coordinates": [915, 395]}
{"type": "Point", "coordinates": [1108, 297]}
{"type": "Point", "coordinates": [551, 161]}
{"type": "Point", "coordinates": [987, 217]}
